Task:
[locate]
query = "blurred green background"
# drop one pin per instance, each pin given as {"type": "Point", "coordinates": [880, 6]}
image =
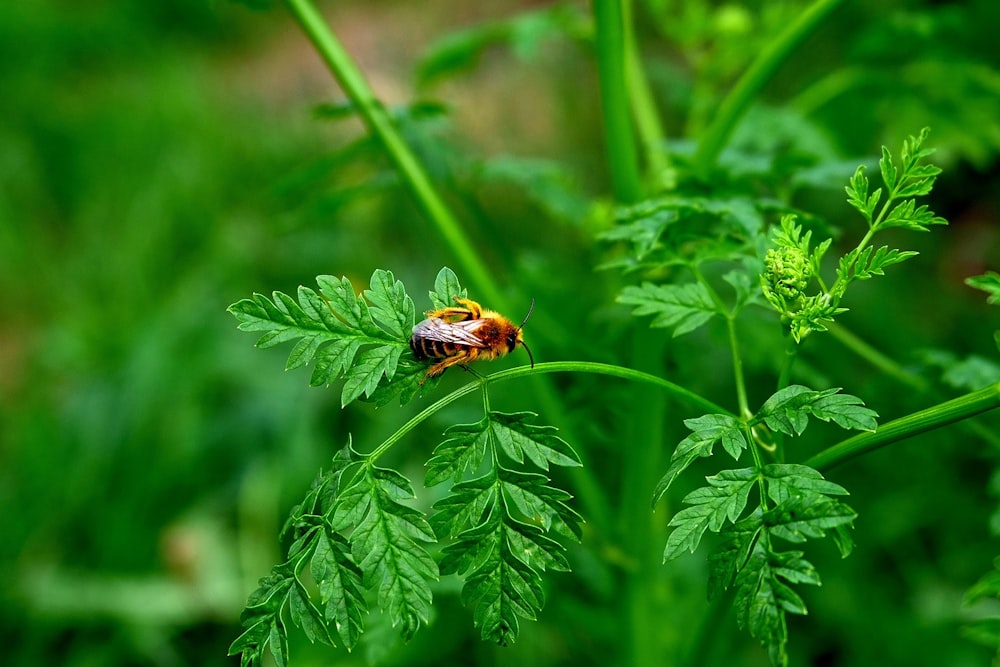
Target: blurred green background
{"type": "Point", "coordinates": [159, 161]}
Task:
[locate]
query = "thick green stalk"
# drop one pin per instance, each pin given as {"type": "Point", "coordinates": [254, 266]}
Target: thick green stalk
{"type": "Point", "coordinates": [619, 138]}
{"type": "Point", "coordinates": [642, 456]}
{"type": "Point", "coordinates": [410, 170]}
{"type": "Point", "coordinates": [735, 105]}
{"type": "Point", "coordinates": [946, 413]}
{"type": "Point", "coordinates": [644, 111]}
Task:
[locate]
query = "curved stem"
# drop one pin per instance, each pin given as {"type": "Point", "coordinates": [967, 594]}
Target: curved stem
{"type": "Point", "coordinates": [411, 172]}
{"type": "Point", "coordinates": [678, 392]}
{"type": "Point", "coordinates": [420, 417]}
{"type": "Point", "coordinates": [754, 80]}
{"type": "Point", "coordinates": [946, 413]}
{"type": "Point", "coordinates": [675, 390]}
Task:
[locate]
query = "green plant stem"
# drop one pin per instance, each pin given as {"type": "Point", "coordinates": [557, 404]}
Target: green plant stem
{"type": "Point", "coordinates": [644, 111]}
{"type": "Point", "coordinates": [940, 415]}
{"type": "Point", "coordinates": [619, 139]}
{"type": "Point", "coordinates": [410, 170]}
{"type": "Point", "coordinates": [877, 359]}
{"type": "Point", "coordinates": [735, 105]}
{"type": "Point", "coordinates": [676, 391]}
{"type": "Point", "coordinates": [738, 379]}
{"type": "Point", "coordinates": [641, 465]}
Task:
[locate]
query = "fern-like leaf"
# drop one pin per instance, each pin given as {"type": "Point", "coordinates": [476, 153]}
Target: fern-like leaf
{"type": "Point", "coordinates": [345, 335]}
{"type": "Point", "coordinates": [386, 544]}
{"type": "Point", "coordinates": [682, 308]}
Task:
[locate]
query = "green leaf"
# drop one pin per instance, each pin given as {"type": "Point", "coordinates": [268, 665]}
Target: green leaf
{"type": "Point", "coordinates": [858, 197]}
{"type": "Point", "coordinates": [371, 366]}
{"type": "Point", "coordinates": [462, 451]}
{"type": "Point", "coordinates": [523, 34]}
{"type": "Point", "coordinates": [340, 585]}
{"type": "Point", "coordinates": [844, 410]}
{"type": "Point", "coordinates": [446, 288]}
{"type": "Point", "coordinates": [339, 332]}
{"type": "Point", "coordinates": [683, 308]}
{"type": "Point", "coordinates": [712, 506]}
{"type": "Point", "coordinates": [500, 585]}
{"type": "Point", "coordinates": [386, 545]}
{"type": "Point", "coordinates": [262, 619]}
{"type": "Point", "coordinates": [707, 430]}
{"type": "Point", "coordinates": [888, 169]}
{"type": "Point", "coordinates": [788, 480]}
{"type": "Point", "coordinates": [868, 262]}
{"type": "Point", "coordinates": [518, 439]}
{"type": "Point", "coordinates": [746, 559]}
{"type": "Point", "coordinates": [510, 433]}
{"type": "Point", "coordinates": [390, 306]}
{"type": "Point", "coordinates": [798, 519]}
{"type": "Point", "coordinates": [732, 554]}
{"type": "Point", "coordinates": [466, 507]}
{"type": "Point", "coordinates": [788, 410]}
{"type": "Point", "coordinates": [304, 614]}
{"type": "Point", "coordinates": [500, 521]}
{"type": "Point", "coordinates": [763, 598]}
{"type": "Point", "coordinates": [540, 504]}
{"type": "Point", "coordinates": [988, 282]}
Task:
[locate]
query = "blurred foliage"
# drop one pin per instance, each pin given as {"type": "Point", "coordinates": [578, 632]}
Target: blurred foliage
{"type": "Point", "coordinates": [159, 161]}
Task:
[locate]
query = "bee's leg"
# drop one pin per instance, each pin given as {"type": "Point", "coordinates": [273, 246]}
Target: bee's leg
{"type": "Point", "coordinates": [475, 310]}
{"type": "Point", "coordinates": [452, 314]}
{"type": "Point", "coordinates": [470, 369]}
{"type": "Point", "coordinates": [446, 363]}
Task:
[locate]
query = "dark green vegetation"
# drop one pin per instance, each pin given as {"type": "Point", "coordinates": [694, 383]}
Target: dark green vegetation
{"type": "Point", "coordinates": [718, 328]}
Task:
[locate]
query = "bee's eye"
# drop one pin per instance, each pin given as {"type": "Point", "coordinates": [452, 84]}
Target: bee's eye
{"type": "Point", "coordinates": [511, 342]}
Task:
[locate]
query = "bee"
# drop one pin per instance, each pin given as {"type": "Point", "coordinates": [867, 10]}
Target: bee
{"type": "Point", "coordinates": [463, 333]}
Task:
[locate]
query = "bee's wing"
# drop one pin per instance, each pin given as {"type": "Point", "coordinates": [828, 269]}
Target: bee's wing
{"type": "Point", "coordinates": [459, 333]}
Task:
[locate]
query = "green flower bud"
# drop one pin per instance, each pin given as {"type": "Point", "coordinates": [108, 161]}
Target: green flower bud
{"type": "Point", "coordinates": [786, 273]}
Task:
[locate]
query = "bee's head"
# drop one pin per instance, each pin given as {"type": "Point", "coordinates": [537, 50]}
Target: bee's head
{"type": "Point", "coordinates": [517, 338]}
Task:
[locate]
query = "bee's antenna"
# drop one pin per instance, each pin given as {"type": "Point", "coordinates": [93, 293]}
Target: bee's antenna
{"type": "Point", "coordinates": [530, 308]}
{"type": "Point", "coordinates": [531, 357]}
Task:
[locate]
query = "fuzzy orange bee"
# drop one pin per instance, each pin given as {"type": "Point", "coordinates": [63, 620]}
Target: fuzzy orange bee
{"type": "Point", "coordinates": [463, 333]}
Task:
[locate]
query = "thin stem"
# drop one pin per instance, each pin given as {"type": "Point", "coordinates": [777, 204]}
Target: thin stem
{"type": "Point", "coordinates": [420, 417]}
{"type": "Point", "coordinates": [946, 413]}
{"type": "Point", "coordinates": [411, 172]}
{"type": "Point", "coordinates": [754, 80]}
{"type": "Point", "coordinates": [676, 391]}
{"type": "Point", "coordinates": [741, 387]}
{"type": "Point", "coordinates": [876, 358]}
{"type": "Point", "coordinates": [619, 139]}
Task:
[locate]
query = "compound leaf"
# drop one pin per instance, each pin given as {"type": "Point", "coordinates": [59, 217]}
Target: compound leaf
{"type": "Point", "coordinates": [337, 330]}
{"type": "Point", "coordinates": [712, 506]}
{"type": "Point", "coordinates": [683, 308]}
{"type": "Point", "coordinates": [707, 430]}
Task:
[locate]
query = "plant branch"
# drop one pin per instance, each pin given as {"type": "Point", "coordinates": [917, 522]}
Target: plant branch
{"type": "Point", "coordinates": [619, 139]}
{"type": "Point", "coordinates": [644, 111]}
{"type": "Point", "coordinates": [946, 413]}
{"type": "Point", "coordinates": [379, 123]}
{"type": "Point", "coordinates": [753, 81]}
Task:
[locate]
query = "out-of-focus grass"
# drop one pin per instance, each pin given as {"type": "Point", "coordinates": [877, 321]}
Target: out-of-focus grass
{"type": "Point", "coordinates": [159, 160]}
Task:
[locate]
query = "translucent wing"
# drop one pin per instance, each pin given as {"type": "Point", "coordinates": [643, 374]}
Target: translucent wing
{"type": "Point", "coordinates": [459, 333]}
